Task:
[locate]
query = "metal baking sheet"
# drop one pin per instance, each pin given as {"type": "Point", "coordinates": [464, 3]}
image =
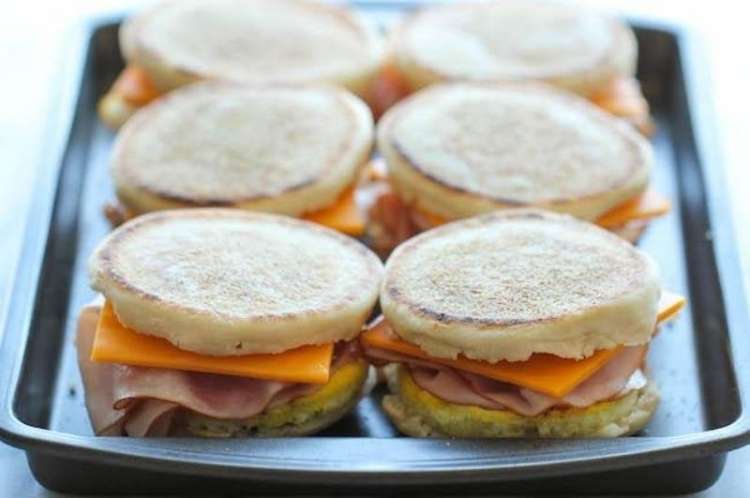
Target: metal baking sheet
{"type": "Point", "coordinates": [695, 360]}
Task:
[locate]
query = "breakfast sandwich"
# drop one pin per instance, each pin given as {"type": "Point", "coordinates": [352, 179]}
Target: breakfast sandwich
{"type": "Point", "coordinates": [460, 149]}
{"type": "Point", "coordinates": [267, 42]}
{"type": "Point", "coordinates": [522, 323]}
{"type": "Point", "coordinates": [225, 323]}
{"type": "Point", "coordinates": [558, 43]}
{"type": "Point", "coordinates": [296, 151]}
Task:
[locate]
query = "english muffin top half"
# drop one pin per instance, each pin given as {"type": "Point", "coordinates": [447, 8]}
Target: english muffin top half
{"type": "Point", "coordinates": [457, 150]}
{"type": "Point", "coordinates": [251, 41]}
{"type": "Point", "coordinates": [514, 40]}
{"type": "Point", "coordinates": [229, 282]}
{"type": "Point", "coordinates": [288, 150]}
{"type": "Point", "coordinates": [506, 285]}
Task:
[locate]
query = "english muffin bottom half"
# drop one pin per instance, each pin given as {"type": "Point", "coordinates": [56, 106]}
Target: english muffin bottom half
{"type": "Point", "coordinates": [224, 323]}
{"type": "Point", "coordinates": [458, 150]}
{"type": "Point", "coordinates": [574, 48]}
{"type": "Point", "coordinates": [288, 150]}
{"type": "Point", "coordinates": [259, 42]}
{"type": "Point", "coordinates": [519, 323]}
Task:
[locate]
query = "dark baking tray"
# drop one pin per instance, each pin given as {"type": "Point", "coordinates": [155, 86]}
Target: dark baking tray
{"type": "Point", "coordinates": [704, 412]}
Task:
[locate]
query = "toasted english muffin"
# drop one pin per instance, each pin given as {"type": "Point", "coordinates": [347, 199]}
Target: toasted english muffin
{"type": "Point", "coordinates": [289, 150]}
{"type": "Point", "coordinates": [418, 413]}
{"type": "Point", "coordinates": [462, 149]}
{"type": "Point", "coordinates": [571, 47]}
{"type": "Point", "coordinates": [509, 284]}
{"type": "Point", "coordinates": [229, 282]}
{"type": "Point", "coordinates": [251, 41]}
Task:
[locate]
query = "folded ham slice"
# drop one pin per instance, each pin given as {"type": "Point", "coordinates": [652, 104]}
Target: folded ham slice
{"type": "Point", "coordinates": [140, 401]}
{"type": "Point", "coordinates": [151, 417]}
{"type": "Point", "coordinates": [619, 376]}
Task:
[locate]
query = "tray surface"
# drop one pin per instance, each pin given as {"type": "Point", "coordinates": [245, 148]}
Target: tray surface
{"type": "Point", "coordinates": [693, 360]}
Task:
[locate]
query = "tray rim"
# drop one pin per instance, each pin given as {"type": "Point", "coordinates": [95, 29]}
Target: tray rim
{"type": "Point", "coordinates": [16, 318]}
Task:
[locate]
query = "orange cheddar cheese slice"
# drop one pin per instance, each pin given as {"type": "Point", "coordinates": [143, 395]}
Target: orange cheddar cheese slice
{"type": "Point", "coordinates": [135, 86]}
{"type": "Point", "coordinates": [431, 219]}
{"type": "Point", "coordinates": [115, 343]}
{"type": "Point", "coordinates": [645, 206]}
{"type": "Point", "coordinates": [343, 216]}
{"type": "Point", "coordinates": [649, 204]}
{"type": "Point", "coordinates": [621, 97]}
{"type": "Point", "coordinates": [670, 304]}
{"type": "Point", "coordinates": [544, 373]}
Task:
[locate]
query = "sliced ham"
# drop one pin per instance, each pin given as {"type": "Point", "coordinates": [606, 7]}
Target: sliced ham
{"type": "Point", "coordinates": [392, 221]}
{"type": "Point", "coordinates": [150, 418]}
{"type": "Point", "coordinates": [620, 375]}
{"type": "Point", "coordinates": [611, 379]}
{"type": "Point", "coordinates": [389, 222]}
{"type": "Point", "coordinates": [387, 89]}
{"type": "Point", "coordinates": [98, 379]}
{"type": "Point", "coordinates": [218, 396]}
{"type": "Point", "coordinates": [139, 401]}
